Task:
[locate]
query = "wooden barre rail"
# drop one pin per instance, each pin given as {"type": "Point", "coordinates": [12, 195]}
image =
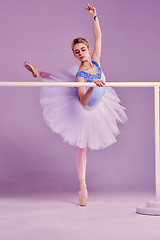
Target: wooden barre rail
{"type": "Point", "coordinates": [78, 84]}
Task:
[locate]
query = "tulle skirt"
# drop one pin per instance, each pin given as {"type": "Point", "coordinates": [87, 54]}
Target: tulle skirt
{"type": "Point", "coordinates": [83, 126]}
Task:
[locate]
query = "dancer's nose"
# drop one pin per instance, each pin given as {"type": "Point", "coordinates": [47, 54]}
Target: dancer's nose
{"type": "Point", "coordinates": [80, 54]}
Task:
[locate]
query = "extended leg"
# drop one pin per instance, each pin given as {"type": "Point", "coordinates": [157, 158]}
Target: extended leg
{"type": "Point", "coordinates": [37, 73]}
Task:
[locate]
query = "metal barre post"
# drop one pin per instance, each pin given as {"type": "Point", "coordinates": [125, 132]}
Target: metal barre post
{"type": "Point", "coordinates": [157, 163]}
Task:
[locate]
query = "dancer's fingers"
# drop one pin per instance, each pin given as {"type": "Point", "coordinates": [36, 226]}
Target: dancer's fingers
{"type": "Point", "coordinates": [99, 82]}
{"type": "Point", "coordinates": [103, 82]}
{"type": "Point", "coordinates": [91, 7]}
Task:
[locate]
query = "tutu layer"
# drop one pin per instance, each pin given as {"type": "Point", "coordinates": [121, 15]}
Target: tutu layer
{"type": "Point", "coordinates": [83, 126]}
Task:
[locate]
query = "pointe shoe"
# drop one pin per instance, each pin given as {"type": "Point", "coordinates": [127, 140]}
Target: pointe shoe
{"type": "Point", "coordinates": [30, 67]}
{"type": "Point", "coordinates": [83, 195]}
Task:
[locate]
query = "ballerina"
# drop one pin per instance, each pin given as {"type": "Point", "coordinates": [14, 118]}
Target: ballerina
{"type": "Point", "coordinates": [83, 116]}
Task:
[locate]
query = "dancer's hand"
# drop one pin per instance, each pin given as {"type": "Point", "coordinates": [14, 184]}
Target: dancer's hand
{"type": "Point", "coordinates": [99, 82]}
{"type": "Point", "coordinates": [91, 10]}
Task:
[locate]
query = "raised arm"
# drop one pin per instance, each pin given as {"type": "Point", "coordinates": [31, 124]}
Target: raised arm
{"type": "Point", "coordinates": [96, 32]}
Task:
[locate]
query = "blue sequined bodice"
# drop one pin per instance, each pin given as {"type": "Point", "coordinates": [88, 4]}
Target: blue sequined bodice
{"type": "Point", "coordinates": [98, 92]}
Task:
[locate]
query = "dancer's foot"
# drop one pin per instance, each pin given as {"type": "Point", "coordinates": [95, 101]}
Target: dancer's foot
{"type": "Point", "coordinates": [83, 194]}
{"type": "Point", "coordinates": [30, 67]}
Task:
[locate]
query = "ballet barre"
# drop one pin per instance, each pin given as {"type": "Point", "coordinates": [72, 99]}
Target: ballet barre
{"type": "Point", "coordinates": [152, 207]}
{"type": "Point", "coordinates": [78, 84]}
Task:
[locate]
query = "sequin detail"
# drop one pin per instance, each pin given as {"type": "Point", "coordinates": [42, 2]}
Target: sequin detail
{"type": "Point", "coordinates": [88, 77]}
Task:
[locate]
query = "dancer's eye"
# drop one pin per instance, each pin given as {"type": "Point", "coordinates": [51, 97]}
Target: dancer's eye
{"type": "Point", "coordinates": [77, 52]}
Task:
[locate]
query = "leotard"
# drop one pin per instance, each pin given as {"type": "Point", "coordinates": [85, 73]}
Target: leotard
{"type": "Point", "coordinates": [98, 92]}
{"type": "Point", "coordinates": [94, 125]}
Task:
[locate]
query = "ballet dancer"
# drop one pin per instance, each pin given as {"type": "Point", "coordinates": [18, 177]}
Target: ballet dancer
{"type": "Point", "coordinates": [83, 116]}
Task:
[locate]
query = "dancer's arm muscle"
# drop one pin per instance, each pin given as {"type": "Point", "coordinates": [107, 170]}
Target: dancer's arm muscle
{"type": "Point", "coordinates": [96, 32]}
{"type": "Point", "coordinates": [83, 95]}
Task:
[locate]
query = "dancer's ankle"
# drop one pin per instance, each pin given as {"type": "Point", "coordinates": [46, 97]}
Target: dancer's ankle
{"type": "Point", "coordinates": [82, 183]}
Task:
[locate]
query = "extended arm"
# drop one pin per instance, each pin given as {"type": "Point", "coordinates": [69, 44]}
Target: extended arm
{"type": "Point", "coordinates": [96, 32]}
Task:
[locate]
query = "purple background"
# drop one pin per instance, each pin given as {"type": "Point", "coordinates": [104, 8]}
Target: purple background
{"type": "Point", "coordinates": [32, 158]}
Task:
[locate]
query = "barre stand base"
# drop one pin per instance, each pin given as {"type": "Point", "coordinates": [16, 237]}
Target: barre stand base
{"type": "Point", "coordinates": [152, 208]}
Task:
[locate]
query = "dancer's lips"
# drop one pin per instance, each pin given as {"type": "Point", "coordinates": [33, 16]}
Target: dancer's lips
{"type": "Point", "coordinates": [82, 57]}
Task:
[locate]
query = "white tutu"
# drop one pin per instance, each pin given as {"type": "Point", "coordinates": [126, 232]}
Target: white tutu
{"type": "Point", "coordinates": [83, 126]}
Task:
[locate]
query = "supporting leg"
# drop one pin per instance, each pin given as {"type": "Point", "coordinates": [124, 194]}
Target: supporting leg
{"type": "Point", "coordinates": [81, 161]}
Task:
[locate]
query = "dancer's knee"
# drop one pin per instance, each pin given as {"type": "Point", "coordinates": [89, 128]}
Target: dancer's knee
{"type": "Point", "coordinates": [81, 150]}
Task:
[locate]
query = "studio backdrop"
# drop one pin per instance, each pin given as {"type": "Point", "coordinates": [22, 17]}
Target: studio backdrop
{"type": "Point", "coordinates": [32, 157]}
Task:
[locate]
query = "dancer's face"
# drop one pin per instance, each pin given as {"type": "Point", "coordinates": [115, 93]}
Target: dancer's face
{"type": "Point", "coordinates": [81, 52]}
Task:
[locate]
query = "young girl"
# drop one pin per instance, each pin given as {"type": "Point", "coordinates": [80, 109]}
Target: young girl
{"type": "Point", "coordinates": [83, 116]}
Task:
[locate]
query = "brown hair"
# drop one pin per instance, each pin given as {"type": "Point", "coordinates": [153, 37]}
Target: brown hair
{"type": "Point", "coordinates": [80, 40]}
